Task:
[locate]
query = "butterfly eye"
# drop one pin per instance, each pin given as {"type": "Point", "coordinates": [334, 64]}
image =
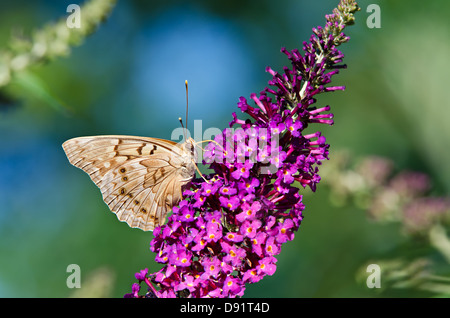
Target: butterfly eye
{"type": "Point", "coordinates": [189, 146]}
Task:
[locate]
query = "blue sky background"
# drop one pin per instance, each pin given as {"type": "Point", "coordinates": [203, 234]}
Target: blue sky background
{"type": "Point", "coordinates": [128, 78]}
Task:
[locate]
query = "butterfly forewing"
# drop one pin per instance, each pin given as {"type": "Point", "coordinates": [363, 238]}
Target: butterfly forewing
{"type": "Point", "coordinates": [140, 178]}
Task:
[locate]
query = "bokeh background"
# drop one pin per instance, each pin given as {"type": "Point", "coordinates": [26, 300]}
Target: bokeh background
{"type": "Point", "coordinates": [128, 78]}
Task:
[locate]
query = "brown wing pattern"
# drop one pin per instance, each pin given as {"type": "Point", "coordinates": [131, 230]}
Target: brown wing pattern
{"type": "Point", "coordinates": [139, 177]}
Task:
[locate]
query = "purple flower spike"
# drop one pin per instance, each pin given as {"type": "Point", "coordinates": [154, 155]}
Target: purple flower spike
{"type": "Point", "coordinates": [227, 232]}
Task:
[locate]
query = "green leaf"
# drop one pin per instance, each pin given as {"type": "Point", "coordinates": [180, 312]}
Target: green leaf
{"type": "Point", "coordinates": [35, 86]}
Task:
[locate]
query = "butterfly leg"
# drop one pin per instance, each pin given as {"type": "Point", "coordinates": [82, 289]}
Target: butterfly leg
{"type": "Point", "coordinates": [201, 174]}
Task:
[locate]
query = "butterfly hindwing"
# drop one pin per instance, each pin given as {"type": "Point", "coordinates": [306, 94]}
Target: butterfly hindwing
{"type": "Point", "coordinates": [135, 200]}
{"type": "Point", "coordinates": [139, 177]}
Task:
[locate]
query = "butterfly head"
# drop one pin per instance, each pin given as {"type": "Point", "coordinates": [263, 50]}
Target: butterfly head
{"type": "Point", "coordinates": [190, 147]}
{"type": "Point", "coordinates": [188, 159]}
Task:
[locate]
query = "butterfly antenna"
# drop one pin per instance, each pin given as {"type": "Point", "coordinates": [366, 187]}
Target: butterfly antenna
{"type": "Point", "coordinates": [209, 140]}
{"type": "Point", "coordinates": [187, 102]}
{"type": "Point", "coordinates": [187, 108]}
{"type": "Point", "coordinates": [184, 129]}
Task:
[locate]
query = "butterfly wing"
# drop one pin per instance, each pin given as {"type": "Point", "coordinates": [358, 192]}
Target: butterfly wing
{"type": "Point", "coordinates": [139, 177]}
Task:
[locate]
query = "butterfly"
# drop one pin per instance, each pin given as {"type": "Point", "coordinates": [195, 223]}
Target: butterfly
{"type": "Point", "coordinates": [140, 178]}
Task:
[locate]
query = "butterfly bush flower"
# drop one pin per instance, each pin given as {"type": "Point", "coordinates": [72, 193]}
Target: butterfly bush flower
{"type": "Point", "coordinates": [227, 231]}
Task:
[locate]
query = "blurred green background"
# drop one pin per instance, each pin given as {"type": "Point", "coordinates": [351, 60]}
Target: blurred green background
{"type": "Point", "coordinates": [128, 78]}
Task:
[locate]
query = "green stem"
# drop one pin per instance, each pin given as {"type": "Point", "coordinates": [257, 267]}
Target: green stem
{"type": "Point", "coordinates": [440, 241]}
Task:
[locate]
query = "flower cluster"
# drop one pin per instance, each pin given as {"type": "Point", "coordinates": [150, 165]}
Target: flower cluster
{"type": "Point", "coordinates": [387, 195]}
{"type": "Point", "coordinates": [404, 197]}
{"type": "Point", "coordinates": [228, 230]}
